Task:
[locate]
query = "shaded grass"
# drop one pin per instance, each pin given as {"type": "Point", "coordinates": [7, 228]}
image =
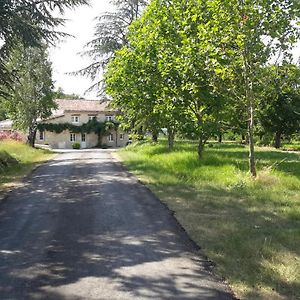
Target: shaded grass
{"type": "Point", "coordinates": [250, 229]}
{"type": "Point", "coordinates": [27, 158]}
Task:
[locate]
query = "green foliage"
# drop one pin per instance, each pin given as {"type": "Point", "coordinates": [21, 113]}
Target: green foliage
{"type": "Point", "coordinates": [250, 34]}
{"type": "Point", "coordinates": [197, 65]}
{"type": "Point", "coordinates": [3, 112]}
{"type": "Point", "coordinates": [31, 23]}
{"type": "Point", "coordinates": [92, 126]}
{"type": "Point", "coordinates": [76, 145]}
{"type": "Point", "coordinates": [31, 98]}
{"type": "Point", "coordinates": [160, 79]}
{"type": "Point", "coordinates": [279, 112]}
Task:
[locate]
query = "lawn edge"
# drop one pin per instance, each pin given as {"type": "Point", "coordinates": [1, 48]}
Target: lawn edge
{"type": "Point", "coordinates": [209, 265]}
{"type": "Point", "coordinates": [4, 193]}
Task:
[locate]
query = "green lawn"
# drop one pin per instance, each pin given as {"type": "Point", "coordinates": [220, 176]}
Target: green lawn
{"type": "Point", "coordinates": [250, 229]}
{"type": "Point", "coordinates": [295, 146]}
{"type": "Point", "coordinates": [20, 160]}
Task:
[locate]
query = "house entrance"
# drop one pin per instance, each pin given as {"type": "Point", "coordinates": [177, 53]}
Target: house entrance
{"type": "Point", "coordinates": [83, 141]}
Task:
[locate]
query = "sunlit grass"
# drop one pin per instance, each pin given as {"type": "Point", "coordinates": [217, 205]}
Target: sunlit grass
{"type": "Point", "coordinates": [26, 157]}
{"type": "Point", "coordinates": [249, 228]}
{"type": "Point", "coordinates": [295, 146]}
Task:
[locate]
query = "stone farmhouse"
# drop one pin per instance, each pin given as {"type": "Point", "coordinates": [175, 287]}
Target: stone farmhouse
{"type": "Point", "coordinates": [78, 113]}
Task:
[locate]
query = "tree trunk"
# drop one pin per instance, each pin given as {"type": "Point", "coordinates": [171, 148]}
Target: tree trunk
{"type": "Point", "coordinates": [277, 143]}
{"type": "Point", "coordinates": [243, 141]}
{"type": "Point", "coordinates": [250, 103]}
{"type": "Point", "coordinates": [116, 138]}
{"type": "Point", "coordinates": [155, 134]}
{"type": "Point", "coordinates": [99, 143]}
{"type": "Point", "coordinates": [31, 136]}
{"type": "Point", "coordinates": [171, 136]}
{"type": "Point", "coordinates": [202, 140]}
{"type": "Point", "coordinates": [252, 165]}
{"type": "Point", "coordinates": [200, 148]}
{"type": "Point", "coordinates": [220, 138]}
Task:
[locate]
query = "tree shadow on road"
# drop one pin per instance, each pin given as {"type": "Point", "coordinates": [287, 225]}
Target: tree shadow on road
{"type": "Point", "coordinates": [79, 230]}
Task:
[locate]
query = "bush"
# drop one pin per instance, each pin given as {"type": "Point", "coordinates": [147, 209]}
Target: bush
{"type": "Point", "coordinates": [104, 146]}
{"type": "Point", "coordinates": [76, 145]}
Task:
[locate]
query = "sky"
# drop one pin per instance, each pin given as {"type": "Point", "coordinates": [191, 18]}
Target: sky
{"type": "Point", "coordinates": [65, 55]}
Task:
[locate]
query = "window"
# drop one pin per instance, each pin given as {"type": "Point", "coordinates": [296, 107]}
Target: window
{"type": "Point", "coordinates": [75, 119]}
{"type": "Point", "coordinates": [92, 118]}
{"type": "Point", "coordinates": [121, 136]}
{"type": "Point", "coordinates": [42, 135]}
{"type": "Point", "coordinates": [110, 137]}
{"type": "Point", "coordinates": [109, 118]}
{"type": "Point", "coordinates": [83, 137]}
{"type": "Point", "coordinates": [72, 137]}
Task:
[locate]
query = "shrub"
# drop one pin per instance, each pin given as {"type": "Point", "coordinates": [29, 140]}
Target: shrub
{"type": "Point", "coordinates": [76, 145]}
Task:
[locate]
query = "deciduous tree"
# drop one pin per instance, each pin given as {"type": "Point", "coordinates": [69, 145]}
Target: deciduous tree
{"type": "Point", "coordinates": [250, 34]}
{"type": "Point", "coordinates": [32, 96]}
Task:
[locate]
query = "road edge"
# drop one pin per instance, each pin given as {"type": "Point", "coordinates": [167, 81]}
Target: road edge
{"type": "Point", "coordinates": [209, 264]}
{"type": "Point", "coordinates": [4, 194]}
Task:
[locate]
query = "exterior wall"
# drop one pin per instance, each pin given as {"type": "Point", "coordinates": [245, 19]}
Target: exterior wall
{"type": "Point", "coordinates": [62, 140]}
{"type": "Point", "coordinates": [83, 117]}
{"type": "Point", "coordinates": [116, 142]}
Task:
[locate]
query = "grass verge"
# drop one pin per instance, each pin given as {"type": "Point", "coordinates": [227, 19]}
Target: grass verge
{"type": "Point", "coordinates": [249, 228]}
{"type": "Point", "coordinates": [18, 159]}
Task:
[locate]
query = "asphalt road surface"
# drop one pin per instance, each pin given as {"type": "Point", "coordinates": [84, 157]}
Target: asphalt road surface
{"type": "Point", "coordinates": [84, 228]}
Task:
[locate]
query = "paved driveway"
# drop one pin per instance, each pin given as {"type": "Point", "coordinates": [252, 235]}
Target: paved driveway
{"type": "Point", "coordinates": [83, 228]}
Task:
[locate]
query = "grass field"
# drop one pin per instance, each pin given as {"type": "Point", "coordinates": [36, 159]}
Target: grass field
{"type": "Point", "coordinates": [295, 146]}
{"type": "Point", "coordinates": [249, 228]}
{"type": "Point", "coordinates": [26, 158]}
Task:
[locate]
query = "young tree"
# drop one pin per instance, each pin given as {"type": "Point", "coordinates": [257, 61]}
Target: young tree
{"type": "Point", "coordinates": [250, 34]}
{"type": "Point", "coordinates": [132, 91]}
{"type": "Point", "coordinates": [184, 60]}
{"type": "Point", "coordinates": [32, 96]}
{"type": "Point", "coordinates": [135, 82]}
{"type": "Point", "coordinates": [28, 22]}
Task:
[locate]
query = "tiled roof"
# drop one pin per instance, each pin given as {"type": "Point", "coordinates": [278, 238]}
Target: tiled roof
{"type": "Point", "coordinates": [81, 105]}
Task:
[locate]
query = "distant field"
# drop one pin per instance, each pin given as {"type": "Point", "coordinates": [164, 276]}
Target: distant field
{"type": "Point", "coordinates": [17, 160]}
{"type": "Point", "coordinates": [250, 229]}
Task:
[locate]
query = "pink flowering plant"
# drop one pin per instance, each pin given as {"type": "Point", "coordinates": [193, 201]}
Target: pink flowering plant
{"type": "Point", "coordinates": [11, 135]}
